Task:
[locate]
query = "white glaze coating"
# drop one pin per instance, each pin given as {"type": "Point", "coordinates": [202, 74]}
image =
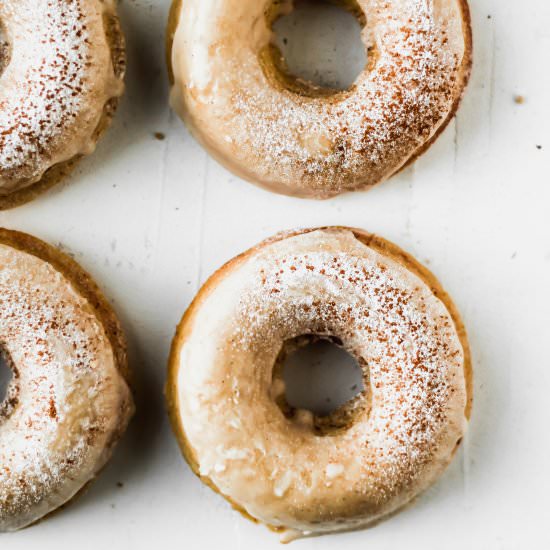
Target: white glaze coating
{"type": "Point", "coordinates": [279, 471]}
{"type": "Point", "coordinates": [319, 146]}
{"type": "Point", "coordinates": [58, 78]}
{"type": "Point", "coordinates": [67, 403]}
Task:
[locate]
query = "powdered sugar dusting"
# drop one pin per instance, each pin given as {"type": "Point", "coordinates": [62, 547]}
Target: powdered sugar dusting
{"type": "Point", "coordinates": [326, 283]}
{"type": "Point", "coordinates": [66, 397]}
{"type": "Point", "coordinates": [386, 324]}
{"type": "Point", "coordinates": [358, 141]}
{"type": "Point", "coordinates": [321, 147]}
{"type": "Point", "coordinates": [54, 88]}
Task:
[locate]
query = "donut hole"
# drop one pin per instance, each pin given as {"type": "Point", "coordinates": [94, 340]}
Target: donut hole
{"type": "Point", "coordinates": [317, 383]}
{"type": "Point", "coordinates": [5, 49]}
{"type": "Point", "coordinates": [8, 386]}
{"type": "Point", "coordinates": [317, 49]}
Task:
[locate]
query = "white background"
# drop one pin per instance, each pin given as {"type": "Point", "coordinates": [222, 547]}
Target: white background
{"type": "Point", "coordinates": [152, 219]}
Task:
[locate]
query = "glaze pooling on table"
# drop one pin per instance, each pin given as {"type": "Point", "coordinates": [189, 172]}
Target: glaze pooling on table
{"type": "Point", "coordinates": [299, 142]}
{"type": "Point", "coordinates": [325, 282]}
{"type": "Point", "coordinates": [54, 89]}
{"type": "Point", "coordinates": [67, 402]}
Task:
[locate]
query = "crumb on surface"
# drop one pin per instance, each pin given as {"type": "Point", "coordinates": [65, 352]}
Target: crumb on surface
{"type": "Point", "coordinates": [519, 99]}
{"type": "Point", "coordinates": [160, 136]}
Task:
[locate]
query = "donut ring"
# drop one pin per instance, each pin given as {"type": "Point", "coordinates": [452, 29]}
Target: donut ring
{"type": "Point", "coordinates": [68, 402]}
{"type": "Point", "coordinates": [62, 66]}
{"type": "Point", "coordinates": [294, 472]}
{"type": "Point", "coordinates": [231, 87]}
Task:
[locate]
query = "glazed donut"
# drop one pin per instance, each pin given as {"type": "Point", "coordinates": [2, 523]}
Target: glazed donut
{"type": "Point", "coordinates": [68, 402]}
{"type": "Point", "coordinates": [61, 71]}
{"type": "Point", "coordinates": [298, 473]}
{"type": "Point", "coordinates": [231, 87]}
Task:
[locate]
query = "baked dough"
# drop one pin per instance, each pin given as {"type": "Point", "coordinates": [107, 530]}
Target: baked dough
{"type": "Point", "coordinates": [231, 87]}
{"type": "Point", "coordinates": [62, 65]}
{"type": "Point", "coordinates": [68, 402]}
{"type": "Point", "coordinates": [297, 473]}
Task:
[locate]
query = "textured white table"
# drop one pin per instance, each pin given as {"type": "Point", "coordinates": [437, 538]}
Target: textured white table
{"type": "Point", "coordinates": [152, 219]}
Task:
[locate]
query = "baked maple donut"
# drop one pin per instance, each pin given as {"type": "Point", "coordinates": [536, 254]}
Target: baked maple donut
{"type": "Point", "coordinates": [61, 71]}
{"type": "Point", "coordinates": [298, 473]}
{"type": "Point", "coordinates": [232, 88]}
{"type": "Point", "coordinates": [68, 402]}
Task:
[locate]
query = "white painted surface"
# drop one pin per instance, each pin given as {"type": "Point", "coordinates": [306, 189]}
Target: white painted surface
{"type": "Point", "coordinates": [152, 219]}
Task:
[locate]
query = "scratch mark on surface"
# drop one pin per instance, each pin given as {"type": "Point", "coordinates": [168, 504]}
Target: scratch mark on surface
{"type": "Point", "coordinates": [456, 137]}
{"type": "Point", "coordinates": [163, 164]}
{"type": "Point", "coordinates": [410, 206]}
{"type": "Point", "coordinates": [466, 465]}
{"type": "Point", "coordinates": [201, 221]}
{"type": "Point", "coordinates": [492, 81]}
